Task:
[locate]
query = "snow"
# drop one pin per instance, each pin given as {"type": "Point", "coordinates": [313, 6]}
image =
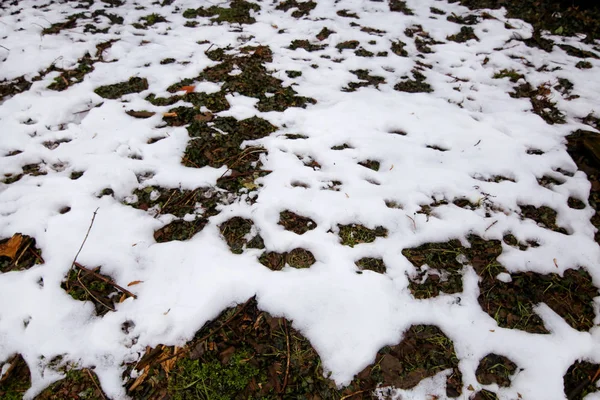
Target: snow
{"type": "Point", "coordinates": [347, 317]}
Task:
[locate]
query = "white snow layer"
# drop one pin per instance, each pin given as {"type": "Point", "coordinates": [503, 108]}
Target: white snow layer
{"type": "Point", "coordinates": [347, 317]}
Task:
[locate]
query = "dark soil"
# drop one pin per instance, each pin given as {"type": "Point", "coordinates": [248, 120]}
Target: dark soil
{"type": "Point", "coordinates": [351, 235]}
{"type": "Point", "coordinates": [296, 223]}
{"type": "Point", "coordinates": [580, 380]}
{"type": "Point", "coordinates": [235, 230]}
{"type": "Point", "coordinates": [297, 258]}
{"type": "Point", "coordinates": [495, 369]}
{"type": "Point", "coordinates": [371, 264]}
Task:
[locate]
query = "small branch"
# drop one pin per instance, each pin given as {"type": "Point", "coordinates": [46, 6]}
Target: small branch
{"type": "Point", "coordinates": [95, 384]}
{"type": "Point", "coordinates": [354, 394]}
{"type": "Point", "coordinates": [85, 238]}
{"type": "Point", "coordinates": [493, 223]}
{"type": "Point", "coordinates": [104, 279]}
{"type": "Point", "coordinates": [287, 366]}
{"type": "Point", "coordinates": [90, 293]}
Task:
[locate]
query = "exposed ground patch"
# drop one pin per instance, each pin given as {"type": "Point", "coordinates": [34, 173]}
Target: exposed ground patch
{"type": "Point", "coordinates": [371, 264]}
{"type": "Point", "coordinates": [86, 284]}
{"type": "Point", "coordinates": [495, 369]}
{"type": "Point", "coordinates": [580, 380]}
{"type": "Point", "coordinates": [238, 234]}
{"type": "Point", "coordinates": [297, 258]}
{"type": "Point", "coordinates": [353, 234]}
{"type": "Point", "coordinates": [296, 223]}
{"type": "Point", "coordinates": [18, 253]}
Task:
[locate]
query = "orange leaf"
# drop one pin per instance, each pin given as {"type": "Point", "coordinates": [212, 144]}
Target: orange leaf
{"type": "Point", "coordinates": [188, 89]}
{"type": "Point", "coordinates": [134, 283]}
{"type": "Point", "coordinates": [9, 249]}
{"type": "Point", "coordinates": [140, 379]}
{"type": "Point", "coordinates": [170, 114]}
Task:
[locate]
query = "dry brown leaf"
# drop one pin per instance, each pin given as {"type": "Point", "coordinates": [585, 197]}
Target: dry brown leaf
{"type": "Point", "coordinates": [170, 114]}
{"type": "Point", "coordinates": [555, 263]}
{"type": "Point", "coordinates": [140, 379]}
{"type": "Point", "coordinates": [123, 298]}
{"type": "Point", "coordinates": [134, 283]}
{"type": "Point", "coordinates": [140, 114]}
{"type": "Point", "coordinates": [9, 249]}
{"type": "Point", "coordinates": [188, 89]}
{"type": "Point", "coordinates": [204, 117]}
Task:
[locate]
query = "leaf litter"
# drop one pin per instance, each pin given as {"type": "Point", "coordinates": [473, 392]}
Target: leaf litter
{"type": "Point", "coordinates": [186, 150]}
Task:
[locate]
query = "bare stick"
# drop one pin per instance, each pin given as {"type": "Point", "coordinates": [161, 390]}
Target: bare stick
{"type": "Point", "coordinates": [95, 384]}
{"type": "Point", "coordinates": [104, 279]}
{"type": "Point", "coordinates": [85, 238]}
{"type": "Point", "coordinates": [287, 366]}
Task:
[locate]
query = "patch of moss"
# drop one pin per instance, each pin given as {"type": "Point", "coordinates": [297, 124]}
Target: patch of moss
{"type": "Point", "coordinates": [544, 216]}
{"type": "Point", "coordinates": [306, 45]}
{"type": "Point", "coordinates": [466, 33]}
{"type": "Point", "coordinates": [540, 101]}
{"type": "Point", "coordinates": [469, 19]}
{"type": "Point", "coordinates": [580, 380]}
{"type": "Point", "coordinates": [398, 48]}
{"type": "Point", "coordinates": [115, 91]}
{"type": "Point", "coordinates": [347, 14]}
{"type": "Point", "coordinates": [297, 258]}
{"type": "Point", "coordinates": [436, 11]}
{"type": "Point", "coordinates": [400, 6]}
{"type": "Point", "coordinates": [366, 80]}
{"type": "Point", "coordinates": [423, 352]}
{"type": "Point", "coordinates": [583, 65]}
{"type": "Point", "coordinates": [85, 284]}
{"type": "Point", "coordinates": [296, 223]}
{"type": "Point", "coordinates": [371, 164]}
{"type": "Point", "coordinates": [371, 264]}
{"type": "Point", "coordinates": [353, 234]}
{"type": "Point", "coordinates": [302, 9]}
{"type": "Point", "coordinates": [237, 12]}
{"type": "Point", "coordinates": [324, 33]}
{"type": "Point", "coordinates": [361, 52]}
{"type": "Point", "coordinates": [495, 369]}
{"type": "Point", "coordinates": [416, 85]}
{"type": "Point", "coordinates": [513, 75]}
{"type": "Point", "coordinates": [236, 231]}
{"type": "Point", "coordinates": [350, 44]}
{"type": "Point", "coordinates": [70, 23]}
{"type": "Point", "coordinates": [16, 379]}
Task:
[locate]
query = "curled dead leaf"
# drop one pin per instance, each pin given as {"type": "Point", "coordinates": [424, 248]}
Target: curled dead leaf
{"type": "Point", "coordinates": [9, 248]}
{"type": "Point", "coordinates": [134, 283]}
{"type": "Point", "coordinates": [170, 114]}
{"type": "Point", "coordinates": [188, 89]}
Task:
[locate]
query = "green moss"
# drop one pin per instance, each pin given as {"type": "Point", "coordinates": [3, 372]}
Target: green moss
{"type": "Point", "coordinates": [238, 12]}
{"type": "Point", "coordinates": [400, 6]}
{"type": "Point", "coordinates": [350, 44]}
{"type": "Point", "coordinates": [466, 33]}
{"type": "Point", "coordinates": [371, 264]}
{"type": "Point", "coordinates": [351, 235]}
{"type": "Point", "coordinates": [302, 9]}
{"type": "Point", "coordinates": [417, 85]}
{"type": "Point", "coordinates": [398, 48]}
{"type": "Point", "coordinates": [306, 45]}
{"type": "Point", "coordinates": [133, 85]}
{"type": "Point", "coordinates": [513, 75]}
{"type": "Point", "coordinates": [212, 380]}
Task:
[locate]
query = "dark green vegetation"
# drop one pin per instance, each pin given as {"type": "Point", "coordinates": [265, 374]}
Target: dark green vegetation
{"type": "Point", "coordinates": [466, 33]}
{"type": "Point", "coordinates": [541, 102]}
{"type": "Point", "coordinates": [246, 353]}
{"type": "Point", "coordinates": [580, 380]}
{"type": "Point", "coordinates": [297, 258]}
{"type": "Point", "coordinates": [544, 216]}
{"type": "Point", "coordinates": [353, 234]}
{"type": "Point", "coordinates": [509, 303]}
{"type": "Point", "coordinates": [86, 284]}
{"type": "Point", "coordinates": [301, 9]}
{"type": "Point", "coordinates": [306, 45]}
{"type": "Point", "coordinates": [366, 80]}
{"type": "Point", "coordinates": [400, 6]}
{"type": "Point", "coordinates": [424, 351]}
{"type": "Point", "coordinates": [29, 169]}
{"type": "Point", "coordinates": [235, 232]}
{"type": "Point", "coordinates": [19, 253]}
{"type": "Point", "coordinates": [416, 85]}
{"type": "Point", "coordinates": [495, 368]}
{"type": "Point", "coordinates": [149, 20]}
{"type": "Point", "coordinates": [371, 164]}
{"type": "Point", "coordinates": [237, 12]}
{"type": "Point", "coordinates": [296, 223]}
{"type": "Point", "coordinates": [542, 15]}
{"type": "Point", "coordinates": [115, 91]}
{"type": "Point", "coordinates": [371, 264]}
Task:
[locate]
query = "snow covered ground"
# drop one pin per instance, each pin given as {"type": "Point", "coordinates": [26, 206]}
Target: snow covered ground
{"type": "Point", "coordinates": [407, 135]}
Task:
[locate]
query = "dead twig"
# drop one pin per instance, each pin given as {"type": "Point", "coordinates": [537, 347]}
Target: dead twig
{"type": "Point", "coordinates": [355, 393]}
{"type": "Point", "coordinates": [95, 384]}
{"type": "Point", "coordinates": [104, 279]}
{"type": "Point", "coordinates": [287, 366]}
{"type": "Point", "coordinates": [85, 238]}
{"type": "Point", "coordinates": [493, 223]}
{"type": "Point", "coordinates": [90, 293]}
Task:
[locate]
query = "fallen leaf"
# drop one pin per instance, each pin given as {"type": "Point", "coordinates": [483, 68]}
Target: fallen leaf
{"type": "Point", "coordinates": [134, 283]}
{"type": "Point", "coordinates": [392, 167]}
{"type": "Point", "coordinates": [555, 263]}
{"type": "Point", "coordinates": [166, 312]}
{"type": "Point", "coordinates": [140, 114]}
{"type": "Point", "coordinates": [170, 114]}
{"type": "Point", "coordinates": [492, 330]}
{"type": "Point", "coordinates": [123, 298]}
{"type": "Point", "coordinates": [204, 117]}
{"type": "Point", "coordinates": [471, 388]}
{"type": "Point", "coordinates": [9, 249]}
{"type": "Point", "coordinates": [188, 89]}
